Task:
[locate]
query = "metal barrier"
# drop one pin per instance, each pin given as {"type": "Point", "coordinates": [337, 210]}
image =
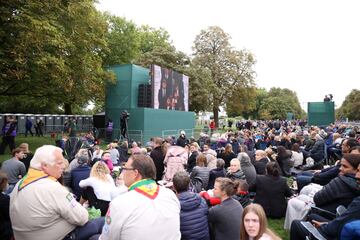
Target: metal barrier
{"type": "Point", "coordinates": [134, 135]}
{"type": "Point", "coordinates": [194, 132]}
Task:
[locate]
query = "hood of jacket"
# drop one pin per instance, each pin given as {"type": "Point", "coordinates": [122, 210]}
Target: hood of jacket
{"type": "Point", "coordinates": [189, 201]}
{"type": "Point", "coordinates": [350, 180]}
{"type": "Point", "coordinates": [176, 151]}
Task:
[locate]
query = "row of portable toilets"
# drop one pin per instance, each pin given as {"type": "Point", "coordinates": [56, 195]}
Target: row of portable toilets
{"type": "Point", "coordinates": [52, 122]}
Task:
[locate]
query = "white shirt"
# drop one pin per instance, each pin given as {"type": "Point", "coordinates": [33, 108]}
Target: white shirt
{"type": "Point", "coordinates": [102, 189]}
{"type": "Point", "coordinates": [133, 216]}
{"type": "Point", "coordinates": [97, 155]}
{"type": "Point", "coordinates": [297, 158]}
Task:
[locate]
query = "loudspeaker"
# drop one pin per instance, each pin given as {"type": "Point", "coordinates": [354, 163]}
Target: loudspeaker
{"type": "Point", "coordinates": [145, 96]}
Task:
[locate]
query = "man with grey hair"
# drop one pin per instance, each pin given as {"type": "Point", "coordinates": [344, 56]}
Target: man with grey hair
{"type": "Point", "coordinates": [41, 208]}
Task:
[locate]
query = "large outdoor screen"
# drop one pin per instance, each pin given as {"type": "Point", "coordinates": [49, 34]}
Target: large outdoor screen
{"type": "Point", "coordinates": [170, 89]}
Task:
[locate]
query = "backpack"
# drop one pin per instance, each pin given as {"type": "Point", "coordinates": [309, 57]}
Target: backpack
{"type": "Point", "coordinates": [196, 185]}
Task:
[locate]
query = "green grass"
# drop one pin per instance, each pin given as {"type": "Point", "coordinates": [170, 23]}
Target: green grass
{"type": "Point", "coordinates": [34, 142]}
{"type": "Point", "coordinates": [277, 225]}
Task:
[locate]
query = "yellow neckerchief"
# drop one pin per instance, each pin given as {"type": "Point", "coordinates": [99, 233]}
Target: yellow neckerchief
{"type": "Point", "coordinates": [147, 187]}
{"type": "Point", "coordinates": [33, 175]}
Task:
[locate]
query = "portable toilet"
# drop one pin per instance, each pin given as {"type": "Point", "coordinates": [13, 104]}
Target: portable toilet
{"type": "Point", "coordinates": [49, 123]}
{"type": "Point", "coordinates": [87, 123]}
{"type": "Point", "coordinates": [79, 123]}
{"type": "Point", "coordinates": [21, 120]}
{"type": "Point", "coordinates": [65, 119]}
{"type": "Point", "coordinates": [58, 125]}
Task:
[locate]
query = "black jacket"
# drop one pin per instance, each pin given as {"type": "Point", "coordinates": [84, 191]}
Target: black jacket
{"type": "Point", "coordinates": [214, 174]}
{"type": "Point", "coordinates": [339, 191]}
{"type": "Point", "coordinates": [182, 141]}
{"type": "Point", "coordinates": [317, 152]}
{"type": "Point", "coordinates": [192, 161]}
{"type": "Point", "coordinates": [326, 175]}
{"type": "Point", "coordinates": [334, 227]}
{"type": "Point", "coordinates": [158, 158]}
{"type": "Point", "coordinates": [284, 163]}
{"type": "Point", "coordinates": [5, 223]}
{"type": "Point", "coordinates": [227, 158]}
{"type": "Point", "coordinates": [260, 166]}
{"type": "Point", "coordinates": [271, 194]}
{"type": "Point", "coordinates": [203, 173]}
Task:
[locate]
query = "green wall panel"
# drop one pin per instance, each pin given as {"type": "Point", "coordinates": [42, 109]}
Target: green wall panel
{"type": "Point", "coordinates": [146, 122]}
{"type": "Point", "coordinates": [321, 113]}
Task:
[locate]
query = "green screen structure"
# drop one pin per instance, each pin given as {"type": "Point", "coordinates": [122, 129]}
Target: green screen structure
{"type": "Point", "coordinates": [143, 123]}
{"type": "Point", "coordinates": [321, 113]}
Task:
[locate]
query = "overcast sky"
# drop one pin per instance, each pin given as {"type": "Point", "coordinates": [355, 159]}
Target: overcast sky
{"type": "Point", "coordinates": [310, 46]}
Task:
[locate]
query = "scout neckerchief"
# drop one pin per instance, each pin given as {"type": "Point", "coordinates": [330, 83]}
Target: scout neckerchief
{"type": "Point", "coordinates": [32, 176]}
{"type": "Point", "coordinates": [147, 187]}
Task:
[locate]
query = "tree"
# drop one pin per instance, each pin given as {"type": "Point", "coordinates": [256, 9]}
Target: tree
{"type": "Point", "coordinates": [241, 102]}
{"type": "Point", "coordinates": [51, 52]}
{"type": "Point", "coordinates": [278, 103]}
{"type": "Point", "coordinates": [123, 41]}
{"type": "Point", "coordinates": [229, 69]}
{"type": "Point", "coordinates": [350, 108]}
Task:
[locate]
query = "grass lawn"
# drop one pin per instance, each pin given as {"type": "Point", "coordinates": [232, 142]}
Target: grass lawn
{"type": "Point", "coordinates": [277, 225]}
{"type": "Point", "coordinates": [34, 142]}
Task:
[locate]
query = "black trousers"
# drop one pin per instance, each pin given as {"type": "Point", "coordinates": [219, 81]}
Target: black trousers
{"type": "Point", "coordinates": [88, 194]}
{"type": "Point", "coordinates": [7, 141]}
{"type": "Point", "coordinates": [30, 131]}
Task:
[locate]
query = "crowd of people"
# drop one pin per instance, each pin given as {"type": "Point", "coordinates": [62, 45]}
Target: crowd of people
{"type": "Point", "coordinates": [220, 186]}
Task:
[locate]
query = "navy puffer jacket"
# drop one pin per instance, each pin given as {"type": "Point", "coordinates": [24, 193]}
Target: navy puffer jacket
{"type": "Point", "coordinates": [193, 217]}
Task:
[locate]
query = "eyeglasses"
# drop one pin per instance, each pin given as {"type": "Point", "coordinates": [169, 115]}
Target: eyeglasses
{"type": "Point", "coordinates": [127, 169]}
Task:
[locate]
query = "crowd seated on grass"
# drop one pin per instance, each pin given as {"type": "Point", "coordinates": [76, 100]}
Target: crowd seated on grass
{"type": "Point", "coordinates": [271, 169]}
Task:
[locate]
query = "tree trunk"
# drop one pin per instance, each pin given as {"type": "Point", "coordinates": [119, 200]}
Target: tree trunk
{"type": "Point", "coordinates": [68, 109]}
{"type": "Point", "coordinates": [216, 115]}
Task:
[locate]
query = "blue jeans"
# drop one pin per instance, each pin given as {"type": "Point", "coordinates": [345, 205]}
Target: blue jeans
{"type": "Point", "coordinates": [91, 228]}
{"type": "Point", "coordinates": [304, 179]}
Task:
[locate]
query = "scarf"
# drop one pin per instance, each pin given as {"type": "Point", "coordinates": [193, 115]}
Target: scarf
{"type": "Point", "coordinates": [32, 176]}
{"type": "Point", "coordinates": [146, 187]}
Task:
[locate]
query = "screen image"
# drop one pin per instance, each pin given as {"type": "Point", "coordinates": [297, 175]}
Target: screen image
{"type": "Point", "coordinates": [170, 89]}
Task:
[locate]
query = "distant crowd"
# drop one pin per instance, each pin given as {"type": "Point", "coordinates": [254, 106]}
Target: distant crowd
{"type": "Point", "coordinates": [218, 186]}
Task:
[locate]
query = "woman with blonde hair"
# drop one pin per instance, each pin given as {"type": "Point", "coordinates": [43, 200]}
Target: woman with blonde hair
{"type": "Point", "coordinates": [254, 224]}
{"type": "Point", "coordinates": [98, 187]}
{"type": "Point", "coordinates": [235, 172]}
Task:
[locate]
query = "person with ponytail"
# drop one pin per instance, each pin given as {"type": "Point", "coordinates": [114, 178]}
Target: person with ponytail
{"type": "Point", "coordinates": [254, 224]}
{"type": "Point", "coordinates": [271, 191]}
{"type": "Point", "coordinates": [225, 218]}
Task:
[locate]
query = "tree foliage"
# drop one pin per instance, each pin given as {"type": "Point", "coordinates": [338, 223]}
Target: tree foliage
{"type": "Point", "coordinates": [350, 108]}
{"type": "Point", "coordinates": [228, 69]}
{"type": "Point", "coordinates": [50, 52]}
{"type": "Point", "coordinates": [278, 102]}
